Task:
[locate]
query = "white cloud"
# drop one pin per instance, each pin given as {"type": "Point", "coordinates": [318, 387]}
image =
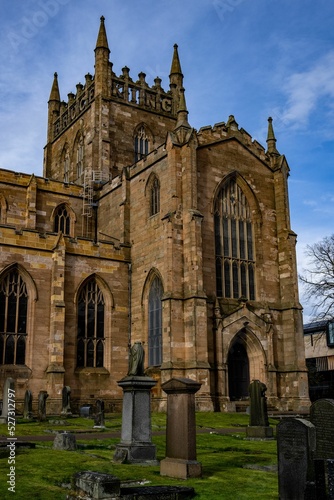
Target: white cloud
{"type": "Point", "coordinates": [306, 89]}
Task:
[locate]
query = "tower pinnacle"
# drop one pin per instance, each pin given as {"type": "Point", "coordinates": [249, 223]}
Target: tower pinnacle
{"type": "Point", "coordinates": [182, 112]}
{"type": "Point", "coordinates": [176, 66]}
{"type": "Point", "coordinates": [176, 76]}
{"type": "Point", "coordinates": [102, 40]}
{"type": "Point", "coordinates": [271, 139]}
{"type": "Point", "coordinates": [54, 94]}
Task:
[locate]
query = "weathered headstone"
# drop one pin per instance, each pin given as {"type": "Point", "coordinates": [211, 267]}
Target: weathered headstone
{"type": "Point", "coordinates": [322, 417]}
{"type": "Point", "coordinates": [136, 438]}
{"type": "Point", "coordinates": [65, 441]}
{"type": "Point", "coordinates": [97, 485]}
{"type": "Point", "coordinates": [42, 397]}
{"type": "Point", "coordinates": [27, 409]}
{"type": "Point", "coordinates": [8, 399]}
{"type": "Point", "coordinates": [66, 401]}
{"type": "Point", "coordinates": [85, 411]}
{"type": "Point", "coordinates": [295, 447]}
{"type": "Point", "coordinates": [181, 456]}
{"type": "Point", "coordinates": [99, 415]}
{"type": "Point", "coordinates": [258, 414]}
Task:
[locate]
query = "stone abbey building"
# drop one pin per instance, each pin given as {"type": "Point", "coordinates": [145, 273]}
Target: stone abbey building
{"type": "Point", "coordinates": [144, 229]}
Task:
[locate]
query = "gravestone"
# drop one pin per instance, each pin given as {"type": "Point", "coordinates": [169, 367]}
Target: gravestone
{"type": "Point", "coordinates": [181, 461]}
{"type": "Point", "coordinates": [85, 411]}
{"type": "Point", "coordinates": [295, 447]}
{"type": "Point", "coordinates": [65, 441]}
{"type": "Point", "coordinates": [136, 436]}
{"type": "Point", "coordinates": [27, 409]}
{"type": "Point", "coordinates": [258, 427]}
{"type": "Point", "coordinates": [8, 399]}
{"type": "Point", "coordinates": [322, 417]}
{"type": "Point", "coordinates": [66, 401]}
{"type": "Point", "coordinates": [42, 397]}
{"type": "Point", "coordinates": [99, 416]}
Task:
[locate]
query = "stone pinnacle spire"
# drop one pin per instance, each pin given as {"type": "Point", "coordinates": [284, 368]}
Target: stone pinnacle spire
{"type": "Point", "coordinates": [271, 139]}
{"type": "Point", "coordinates": [176, 66]}
{"type": "Point", "coordinates": [102, 40]}
{"type": "Point", "coordinates": [54, 94]}
{"type": "Point", "coordinates": [182, 112]}
{"type": "Point", "coordinates": [176, 76]}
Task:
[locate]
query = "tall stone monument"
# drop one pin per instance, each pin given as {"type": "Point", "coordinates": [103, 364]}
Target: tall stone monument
{"type": "Point", "coordinates": [136, 438]}
{"type": "Point", "coordinates": [42, 397]}
{"type": "Point", "coordinates": [66, 401]}
{"type": "Point", "coordinates": [181, 459]}
{"type": "Point", "coordinates": [258, 417]}
{"type": "Point", "coordinates": [27, 409]}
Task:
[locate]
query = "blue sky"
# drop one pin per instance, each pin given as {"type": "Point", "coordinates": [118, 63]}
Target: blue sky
{"type": "Point", "coordinates": [249, 58]}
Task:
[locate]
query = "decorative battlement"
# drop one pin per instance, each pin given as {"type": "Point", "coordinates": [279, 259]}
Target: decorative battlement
{"type": "Point", "coordinates": [76, 105]}
{"type": "Point", "coordinates": [223, 131]}
{"type": "Point", "coordinates": [138, 93]}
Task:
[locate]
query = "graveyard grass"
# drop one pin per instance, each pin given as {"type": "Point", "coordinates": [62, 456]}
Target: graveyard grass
{"type": "Point", "coordinates": [233, 467]}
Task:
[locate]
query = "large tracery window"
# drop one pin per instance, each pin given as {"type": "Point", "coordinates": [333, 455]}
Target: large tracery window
{"type": "Point", "coordinates": [13, 319]}
{"type": "Point", "coordinates": [141, 143]}
{"type": "Point", "coordinates": [90, 338]}
{"type": "Point", "coordinates": [155, 323]}
{"type": "Point", "coordinates": [234, 242]}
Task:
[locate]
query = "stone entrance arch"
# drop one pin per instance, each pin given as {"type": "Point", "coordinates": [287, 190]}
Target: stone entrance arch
{"type": "Point", "coordinates": [238, 371]}
{"type": "Point", "coordinates": [246, 362]}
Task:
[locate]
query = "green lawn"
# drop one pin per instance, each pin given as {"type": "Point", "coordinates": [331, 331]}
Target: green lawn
{"type": "Point", "coordinates": [232, 465]}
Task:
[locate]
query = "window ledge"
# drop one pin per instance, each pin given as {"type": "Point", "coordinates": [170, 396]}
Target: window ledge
{"type": "Point", "coordinates": [89, 370]}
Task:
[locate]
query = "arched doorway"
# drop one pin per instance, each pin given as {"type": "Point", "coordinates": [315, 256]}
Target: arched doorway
{"type": "Point", "coordinates": [238, 371]}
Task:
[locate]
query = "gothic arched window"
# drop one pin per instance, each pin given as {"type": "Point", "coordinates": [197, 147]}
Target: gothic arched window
{"type": "Point", "coordinates": [155, 323]}
{"type": "Point", "coordinates": [155, 197]}
{"type": "Point", "coordinates": [90, 335]}
{"type": "Point", "coordinates": [13, 318]}
{"type": "Point", "coordinates": [142, 143]}
{"type": "Point", "coordinates": [62, 220]}
{"type": "Point", "coordinates": [234, 243]}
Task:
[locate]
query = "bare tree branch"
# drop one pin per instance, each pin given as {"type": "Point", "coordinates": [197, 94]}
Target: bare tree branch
{"type": "Point", "coordinates": [318, 279]}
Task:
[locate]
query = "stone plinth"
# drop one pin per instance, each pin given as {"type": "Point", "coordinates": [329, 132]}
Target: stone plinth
{"type": "Point", "coordinates": [136, 438]}
{"type": "Point", "coordinates": [259, 432]}
{"type": "Point", "coordinates": [181, 455]}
